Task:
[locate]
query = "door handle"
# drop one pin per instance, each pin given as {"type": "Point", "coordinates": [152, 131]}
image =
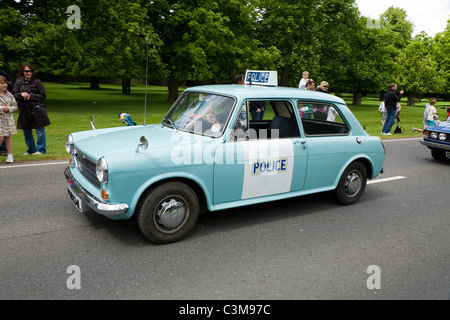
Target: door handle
{"type": "Point", "coordinates": [300, 143]}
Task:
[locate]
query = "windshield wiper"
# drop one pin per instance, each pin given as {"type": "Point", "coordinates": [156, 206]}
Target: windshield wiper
{"type": "Point", "coordinates": [170, 122]}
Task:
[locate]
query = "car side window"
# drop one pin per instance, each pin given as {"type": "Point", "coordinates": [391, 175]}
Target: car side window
{"type": "Point", "coordinates": [266, 120]}
{"type": "Point", "coordinates": [321, 119]}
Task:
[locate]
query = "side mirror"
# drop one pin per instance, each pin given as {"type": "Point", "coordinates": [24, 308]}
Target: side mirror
{"type": "Point", "coordinates": [143, 143]}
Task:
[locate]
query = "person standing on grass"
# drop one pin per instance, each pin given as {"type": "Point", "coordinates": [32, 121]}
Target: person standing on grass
{"type": "Point", "coordinates": [390, 102]}
{"type": "Point", "coordinates": [7, 128]}
{"type": "Point", "coordinates": [30, 94]}
{"type": "Point", "coordinates": [3, 151]}
{"type": "Point", "coordinates": [431, 112]}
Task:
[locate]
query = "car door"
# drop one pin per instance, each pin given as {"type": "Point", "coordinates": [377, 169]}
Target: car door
{"type": "Point", "coordinates": [259, 159]}
{"type": "Point", "coordinates": [330, 145]}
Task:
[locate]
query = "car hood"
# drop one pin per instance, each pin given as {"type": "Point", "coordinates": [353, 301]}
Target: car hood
{"type": "Point", "coordinates": [443, 126]}
{"type": "Point", "coordinates": [124, 141]}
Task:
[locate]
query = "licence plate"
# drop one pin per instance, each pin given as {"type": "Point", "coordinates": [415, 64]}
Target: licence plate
{"type": "Point", "coordinates": [75, 199]}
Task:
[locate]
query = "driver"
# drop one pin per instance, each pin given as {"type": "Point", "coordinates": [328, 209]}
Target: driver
{"type": "Point", "coordinates": [210, 120]}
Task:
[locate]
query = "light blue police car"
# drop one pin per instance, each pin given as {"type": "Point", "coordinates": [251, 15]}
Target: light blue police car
{"type": "Point", "coordinates": [209, 154]}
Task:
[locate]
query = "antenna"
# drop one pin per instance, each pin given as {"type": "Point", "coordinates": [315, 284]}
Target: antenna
{"type": "Point", "coordinates": [146, 75]}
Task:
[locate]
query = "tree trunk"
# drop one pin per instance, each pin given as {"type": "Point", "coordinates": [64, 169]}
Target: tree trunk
{"type": "Point", "coordinates": [173, 88]}
{"type": "Point", "coordinates": [126, 86]}
{"type": "Point", "coordinates": [411, 100]}
{"type": "Point", "coordinates": [357, 98]}
{"type": "Point", "coordinates": [285, 76]}
{"type": "Point", "coordinates": [95, 84]}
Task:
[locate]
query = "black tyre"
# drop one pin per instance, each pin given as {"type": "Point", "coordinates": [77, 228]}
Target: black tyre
{"type": "Point", "coordinates": [168, 212]}
{"type": "Point", "coordinates": [438, 155]}
{"type": "Point", "coordinates": [352, 184]}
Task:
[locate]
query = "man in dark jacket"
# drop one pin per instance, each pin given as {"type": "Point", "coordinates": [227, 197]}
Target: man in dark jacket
{"type": "Point", "coordinates": [390, 102]}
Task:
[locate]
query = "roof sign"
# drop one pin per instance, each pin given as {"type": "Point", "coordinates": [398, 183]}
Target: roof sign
{"type": "Point", "coordinates": [264, 78]}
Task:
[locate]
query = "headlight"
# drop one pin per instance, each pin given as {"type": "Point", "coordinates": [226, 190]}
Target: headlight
{"type": "Point", "coordinates": [69, 144]}
{"type": "Point", "coordinates": [101, 170]}
{"type": "Point", "coordinates": [433, 135]}
{"type": "Point", "coordinates": [442, 136]}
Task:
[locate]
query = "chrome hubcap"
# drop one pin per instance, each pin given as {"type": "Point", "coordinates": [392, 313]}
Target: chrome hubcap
{"type": "Point", "coordinates": [353, 183]}
{"type": "Point", "coordinates": [170, 214]}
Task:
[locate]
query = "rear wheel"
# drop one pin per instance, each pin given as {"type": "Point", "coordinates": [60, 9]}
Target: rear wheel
{"type": "Point", "coordinates": [168, 212]}
{"type": "Point", "coordinates": [352, 184]}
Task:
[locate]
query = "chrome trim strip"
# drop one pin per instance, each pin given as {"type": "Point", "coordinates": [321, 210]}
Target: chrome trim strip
{"type": "Point", "coordinates": [92, 202]}
{"type": "Point", "coordinates": [435, 145]}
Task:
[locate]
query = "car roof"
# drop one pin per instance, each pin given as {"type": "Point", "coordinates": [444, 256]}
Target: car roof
{"type": "Point", "coordinates": [266, 92]}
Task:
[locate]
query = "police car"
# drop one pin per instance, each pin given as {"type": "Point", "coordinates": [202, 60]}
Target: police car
{"type": "Point", "coordinates": [209, 154]}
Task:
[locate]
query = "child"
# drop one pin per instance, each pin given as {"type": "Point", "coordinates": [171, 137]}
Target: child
{"type": "Point", "coordinates": [383, 111]}
{"type": "Point", "coordinates": [431, 112]}
{"type": "Point", "coordinates": [7, 127]}
{"type": "Point", "coordinates": [304, 80]}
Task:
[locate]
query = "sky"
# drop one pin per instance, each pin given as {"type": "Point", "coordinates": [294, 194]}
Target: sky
{"type": "Point", "coordinates": [430, 16]}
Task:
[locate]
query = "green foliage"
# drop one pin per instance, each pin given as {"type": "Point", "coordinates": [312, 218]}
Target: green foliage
{"type": "Point", "coordinates": [420, 73]}
{"type": "Point", "coordinates": [209, 41]}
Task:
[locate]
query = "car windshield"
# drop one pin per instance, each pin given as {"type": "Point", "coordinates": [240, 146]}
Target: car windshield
{"type": "Point", "coordinates": [202, 113]}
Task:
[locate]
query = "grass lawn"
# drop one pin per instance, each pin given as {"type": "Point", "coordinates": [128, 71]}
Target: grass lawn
{"type": "Point", "coordinates": [70, 106]}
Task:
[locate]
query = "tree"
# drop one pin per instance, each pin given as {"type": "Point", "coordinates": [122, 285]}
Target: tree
{"type": "Point", "coordinates": [292, 27]}
{"type": "Point", "coordinates": [440, 49]}
{"type": "Point", "coordinates": [420, 73]}
{"type": "Point", "coordinates": [112, 41]}
{"type": "Point", "coordinates": [120, 44]}
{"type": "Point", "coordinates": [394, 20]}
{"type": "Point", "coordinates": [11, 25]}
{"type": "Point", "coordinates": [205, 40]}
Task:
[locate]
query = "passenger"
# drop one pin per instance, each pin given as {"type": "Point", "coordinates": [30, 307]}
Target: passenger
{"type": "Point", "coordinates": [257, 109]}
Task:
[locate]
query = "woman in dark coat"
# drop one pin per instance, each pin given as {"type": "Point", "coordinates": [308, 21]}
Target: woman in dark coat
{"type": "Point", "coordinates": [30, 94]}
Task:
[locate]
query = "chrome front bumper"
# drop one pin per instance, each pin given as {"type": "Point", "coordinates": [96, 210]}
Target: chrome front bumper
{"type": "Point", "coordinates": [435, 145]}
{"type": "Point", "coordinates": [82, 198]}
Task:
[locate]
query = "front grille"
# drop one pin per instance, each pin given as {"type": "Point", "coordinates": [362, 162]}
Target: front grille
{"type": "Point", "coordinates": [87, 167]}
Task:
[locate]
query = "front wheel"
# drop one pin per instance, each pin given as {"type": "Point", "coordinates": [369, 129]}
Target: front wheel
{"type": "Point", "coordinates": [352, 184]}
{"type": "Point", "coordinates": [438, 155]}
{"type": "Point", "coordinates": [168, 212]}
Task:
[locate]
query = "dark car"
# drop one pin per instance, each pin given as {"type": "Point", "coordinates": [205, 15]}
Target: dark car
{"type": "Point", "coordinates": [437, 138]}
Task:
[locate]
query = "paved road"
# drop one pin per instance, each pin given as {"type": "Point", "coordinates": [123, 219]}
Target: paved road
{"type": "Point", "coordinates": [396, 240]}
